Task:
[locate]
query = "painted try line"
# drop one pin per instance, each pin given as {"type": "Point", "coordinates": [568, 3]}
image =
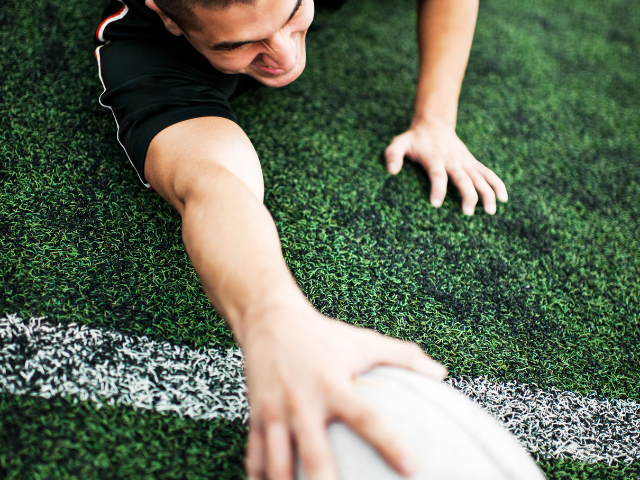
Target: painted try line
{"type": "Point", "coordinates": [47, 360]}
{"type": "Point", "coordinates": [40, 358]}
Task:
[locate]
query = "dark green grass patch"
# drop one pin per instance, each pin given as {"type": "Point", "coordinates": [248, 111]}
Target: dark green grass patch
{"type": "Point", "coordinates": [545, 291]}
{"type": "Point", "coordinates": [61, 439]}
{"type": "Point", "coordinates": [569, 470]}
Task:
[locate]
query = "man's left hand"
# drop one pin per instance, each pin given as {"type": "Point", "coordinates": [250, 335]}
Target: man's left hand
{"type": "Point", "coordinates": [438, 149]}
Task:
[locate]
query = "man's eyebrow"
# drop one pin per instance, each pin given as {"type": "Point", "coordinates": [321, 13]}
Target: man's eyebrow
{"type": "Point", "coordinates": [232, 45]}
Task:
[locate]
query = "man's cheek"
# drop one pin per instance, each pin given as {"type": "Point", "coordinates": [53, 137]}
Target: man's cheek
{"type": "Point", "coordinates": [231, 65]}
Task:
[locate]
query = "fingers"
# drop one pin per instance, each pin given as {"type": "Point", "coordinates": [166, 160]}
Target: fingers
{"type": "Point", "coordinates": [395, 153]}
{"type": "Point", "coordinates": [314, 449]}
{"type": "Point", "coordinates": [276, 443]}
{"type": "Point", "coordinates": [486, 192]}
{"type": "Point", "coordinates": [368, 424]}
{"type": "Point", "coordinates": [383, 350]}
{"type": "Point", "coordinates": [467, 189]}
{"type": "Point", "coordinates": [412, 357]}
{"type": "Point", "coordinates": [471, 180]}
{"type": "Point", "coordinates": [438, 176]}
{"type": "Point", "coordinates": [495, 182]}
{"type": "Point", "coordinates": [254, 462]}
{"type": "Point", "coordinates": [279, 456]}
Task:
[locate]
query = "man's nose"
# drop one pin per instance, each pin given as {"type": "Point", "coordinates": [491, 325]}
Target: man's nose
{"type": "Point", "coordinates": [282, 51]}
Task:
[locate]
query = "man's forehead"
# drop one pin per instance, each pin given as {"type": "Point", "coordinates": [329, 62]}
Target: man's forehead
{"type": "Point", "coordinates": [243, 22]}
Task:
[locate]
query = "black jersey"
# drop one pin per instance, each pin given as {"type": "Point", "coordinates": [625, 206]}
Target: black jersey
{"type": "Point", "coordinates": [153, 79]}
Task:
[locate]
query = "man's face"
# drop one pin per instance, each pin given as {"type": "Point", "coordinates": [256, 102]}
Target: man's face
{"type": "Point", "coordinates": [265, 40]}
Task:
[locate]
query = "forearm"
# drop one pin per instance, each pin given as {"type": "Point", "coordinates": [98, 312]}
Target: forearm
{"type": "Point", "coordinates": [445, 33]}
{"type": "Point", "coordinates": [233, 244]}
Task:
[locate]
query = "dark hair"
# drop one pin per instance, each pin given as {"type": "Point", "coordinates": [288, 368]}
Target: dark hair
{"type": "Point", "coordinates": [181, 11]}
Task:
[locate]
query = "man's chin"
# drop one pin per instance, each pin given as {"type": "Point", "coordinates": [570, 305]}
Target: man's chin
{"type": "Point", "coordinates": [277, 81]}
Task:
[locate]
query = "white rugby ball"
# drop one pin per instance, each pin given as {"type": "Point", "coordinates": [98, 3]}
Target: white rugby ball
{"type": "Point", "coordinates": [452, 437]}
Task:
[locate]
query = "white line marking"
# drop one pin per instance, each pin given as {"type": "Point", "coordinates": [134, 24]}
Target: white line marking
{"type": "Point", "coordinates": [43, 359]}
{"type": "Point", "coordinates": [557, 424]}
{"type": "Point", "coordinates": [40, 358]}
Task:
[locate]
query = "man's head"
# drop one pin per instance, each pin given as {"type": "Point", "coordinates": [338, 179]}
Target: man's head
{"type": "Point", "coordinates": [261, 38]}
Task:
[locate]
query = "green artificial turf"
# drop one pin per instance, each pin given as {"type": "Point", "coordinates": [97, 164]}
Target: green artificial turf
{"type": "Point", "coordinates": [546, 291]}
{"type": "Point", "coordinates": [60, 439]}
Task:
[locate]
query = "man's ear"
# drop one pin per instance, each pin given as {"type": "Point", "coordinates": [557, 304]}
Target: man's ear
{"type": "Point", "coordinates": [168, 22]}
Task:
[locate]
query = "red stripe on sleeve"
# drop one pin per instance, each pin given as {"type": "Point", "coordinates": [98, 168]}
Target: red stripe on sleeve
{"type": "Point", "coordinates": [107, 19]}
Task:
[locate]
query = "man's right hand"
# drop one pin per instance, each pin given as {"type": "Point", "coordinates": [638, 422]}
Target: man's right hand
{"type": "Point", "coordinates": [300, 368]}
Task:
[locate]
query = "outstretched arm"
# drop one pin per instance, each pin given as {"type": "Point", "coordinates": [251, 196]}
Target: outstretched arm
{"type": "Point", "coordinates": [299, 364]}
{"type": "Point", "coordinates": [445, 33]}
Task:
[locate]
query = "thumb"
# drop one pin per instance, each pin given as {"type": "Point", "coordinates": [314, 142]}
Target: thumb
{"type": "Point", "coordinates": [395, 153]}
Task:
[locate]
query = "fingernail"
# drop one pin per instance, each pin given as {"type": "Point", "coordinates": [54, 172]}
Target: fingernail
{"type": "Point", "coordinates": [468, 210]}
{"type": "Point", "coordinates": [393, 168]}
{"type": "Point", "coordinates": [436, 203]}
{"type": "Point", "coordinates": [491, 210]}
